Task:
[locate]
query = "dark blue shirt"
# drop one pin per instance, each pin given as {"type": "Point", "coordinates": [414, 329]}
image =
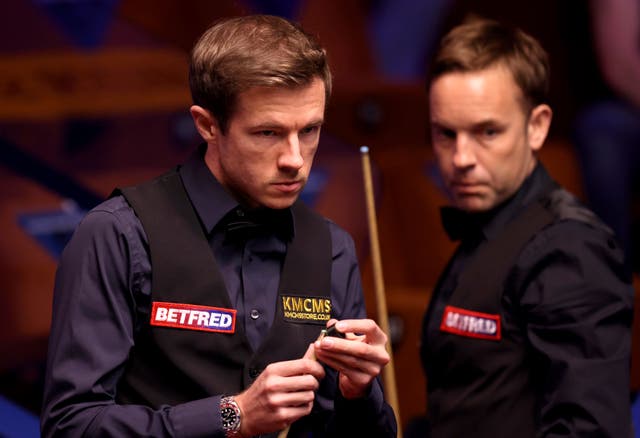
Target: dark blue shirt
{"type": "Point", "coordinates": [102, 295]}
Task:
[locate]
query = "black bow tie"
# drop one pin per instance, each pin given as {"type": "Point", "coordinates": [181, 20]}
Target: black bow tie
{"type": "Point", "coordinates": [461, 225]}
{"type": "Point", "coordinates": [241, 225]}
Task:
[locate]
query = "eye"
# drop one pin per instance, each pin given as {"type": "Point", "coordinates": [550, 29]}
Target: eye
{"type": "Point", "coordinates": [310, 130]}
{"type": "Point", "coordinates": [266, 133]}
{"type": "Point", "coordinates": [441, 133]}
{"type": "Point", "coordinates": [490, 132]}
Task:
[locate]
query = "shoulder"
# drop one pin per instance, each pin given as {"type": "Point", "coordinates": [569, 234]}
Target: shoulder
{"type": "Point", "coordinates": [574, 229]}
{"type": "Point", "coordinates": [571, 271]}
{"type": "Point", "coordinates": [115, 213]}
{"type": "Point", "coordinates": [565, 206]}
{"type": "Point", "coordinates": [575, 233]}
{"type": "Point", "coordinates": [574, 259]}
{"type": "Point", "coordinates": [575, 239]}
{"type": "Point", "coordinates": [341, 241]}
{"type": "Point", "coordinates": [111, 223]}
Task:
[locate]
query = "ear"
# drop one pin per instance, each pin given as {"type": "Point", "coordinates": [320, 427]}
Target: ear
{"type": "Point", "coordinates": [205, 123]}
{"type": "Point", "coordinates": [538, 126]}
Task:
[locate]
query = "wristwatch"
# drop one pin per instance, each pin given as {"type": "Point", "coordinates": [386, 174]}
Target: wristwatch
{"type": "Point", "coordinates": [231, 417]}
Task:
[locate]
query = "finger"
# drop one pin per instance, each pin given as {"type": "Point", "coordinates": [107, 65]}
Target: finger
{"type": "Point", "coordinates": [310, 353]}
{"type": "Point", "coordinates": [353, 387]}
{"type": "Point", "coordinates": [279, 400]}
{"type": "Point", "coordinates": [357, 380]}
{"type": "Point", "coordinates": [354, 337]}
{"type": "Point", "coordinates": [359, 351]}
{"type": "Point", "coordinates": [289, 414]}
{"type": "Point", "coordinates": [279, 384]}
{"type": "Point", "coordinates": [350, 364]}
{"type": "Point", "coordinates": [295, 367]}
{"type": "Point", "coordinates": [282, 417]}
{"type": "Point", "coordinates": [367, 327]}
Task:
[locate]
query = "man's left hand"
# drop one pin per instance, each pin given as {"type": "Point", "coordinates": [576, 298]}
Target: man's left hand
{"type": "Point", "coordinates": [359, 358]}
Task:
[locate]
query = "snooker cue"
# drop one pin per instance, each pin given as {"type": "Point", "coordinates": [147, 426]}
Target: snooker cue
{"type": "Point", "coordinates": [388, 373]}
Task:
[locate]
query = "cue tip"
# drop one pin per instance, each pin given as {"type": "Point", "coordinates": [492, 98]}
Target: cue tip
{"type": "Point", "coordinates": [364, 149]}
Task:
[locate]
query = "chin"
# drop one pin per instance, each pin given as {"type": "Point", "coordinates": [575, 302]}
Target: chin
{"type": "Point", "coordinates": [473, 204]}
{"type": "Point", "coordinates": [279, 204]}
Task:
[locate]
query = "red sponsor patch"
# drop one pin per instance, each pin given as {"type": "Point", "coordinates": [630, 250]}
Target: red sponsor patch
{"type": "Point", "coordinates": [472, 324]}
{"type": "Point", "coordinates": [193, 317]}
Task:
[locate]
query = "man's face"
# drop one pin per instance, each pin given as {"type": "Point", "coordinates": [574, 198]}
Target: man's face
{"type": "Point", "coordinates": [265, 157]}
{"type": "Point", "coordinates": [480, 134]}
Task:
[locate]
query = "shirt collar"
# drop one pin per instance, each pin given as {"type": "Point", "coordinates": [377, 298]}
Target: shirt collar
{"type": "Point", "coordinates": [210, 199]}
{"type": "Point", "coordinates": [534, 186]}
{"type": "Point", "coordinates": [490, 223]}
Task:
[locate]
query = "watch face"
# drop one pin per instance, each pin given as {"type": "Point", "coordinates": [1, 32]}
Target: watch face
{"type": "Point", "coordinates": [229, 417]}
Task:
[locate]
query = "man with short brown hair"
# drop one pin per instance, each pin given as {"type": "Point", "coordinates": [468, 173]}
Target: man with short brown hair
{"type": "Point", "coordinates": [528, 330]}
{"type": "Point", "coordinates": [190, 305]}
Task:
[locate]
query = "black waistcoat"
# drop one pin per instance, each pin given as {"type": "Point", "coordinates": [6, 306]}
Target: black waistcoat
{"type": "Point", "coordinates": [484, 386]}
{"type": "Point", "coordinates": [168, 366]}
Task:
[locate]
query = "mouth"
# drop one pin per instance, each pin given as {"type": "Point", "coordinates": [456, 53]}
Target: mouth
{"type": "Point", "coordinates": [465, 188]}
{"type": "Point", "coordinates": [288, 186]}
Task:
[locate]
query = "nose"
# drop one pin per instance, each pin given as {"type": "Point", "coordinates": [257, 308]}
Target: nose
{"type": "Point", "coordinates": [464, 155]}
{"type": "Point", "coordinates": [290, 157]}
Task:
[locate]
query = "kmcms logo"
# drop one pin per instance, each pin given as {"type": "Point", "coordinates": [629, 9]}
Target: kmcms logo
{"type": "Point", "coordinates": [306, 309]}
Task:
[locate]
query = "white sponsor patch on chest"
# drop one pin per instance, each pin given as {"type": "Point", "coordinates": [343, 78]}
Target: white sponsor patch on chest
{"type": "Point", "coordinates": [193, 317]}
{"type": "Point", "coordinates": [472, 324]}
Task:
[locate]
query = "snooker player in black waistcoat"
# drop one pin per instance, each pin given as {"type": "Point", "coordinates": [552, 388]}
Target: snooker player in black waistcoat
{"type": "Point", "coordinates": [528, 330]}
{"type": "Point", "coordinates": [190, 305]}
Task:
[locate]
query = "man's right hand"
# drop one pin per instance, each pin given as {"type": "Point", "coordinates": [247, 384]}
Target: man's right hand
{"type": "Point", "coordinates": [283, 393]}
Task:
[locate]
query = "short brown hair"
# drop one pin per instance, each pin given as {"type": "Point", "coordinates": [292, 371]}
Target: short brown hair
{"type": "Point", "coordinates": [239, 53]}
{"type": "Point", "coordinates": [481, 43]}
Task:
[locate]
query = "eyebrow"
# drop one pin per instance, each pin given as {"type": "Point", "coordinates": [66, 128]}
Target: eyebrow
{"type": "Point", "coordinates": [276, 125]}
{"type": "Point", "coordinates": [476, 125]}
{"type": "Point", "coordinates": [488, 122]}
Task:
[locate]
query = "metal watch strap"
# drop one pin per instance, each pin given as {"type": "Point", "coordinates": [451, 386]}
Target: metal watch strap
{"type": "Point", "coordinates": [231, 417]}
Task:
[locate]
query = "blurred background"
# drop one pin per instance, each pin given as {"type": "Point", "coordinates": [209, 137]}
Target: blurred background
{"type": "Point", "coordinates": [94, 95]}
